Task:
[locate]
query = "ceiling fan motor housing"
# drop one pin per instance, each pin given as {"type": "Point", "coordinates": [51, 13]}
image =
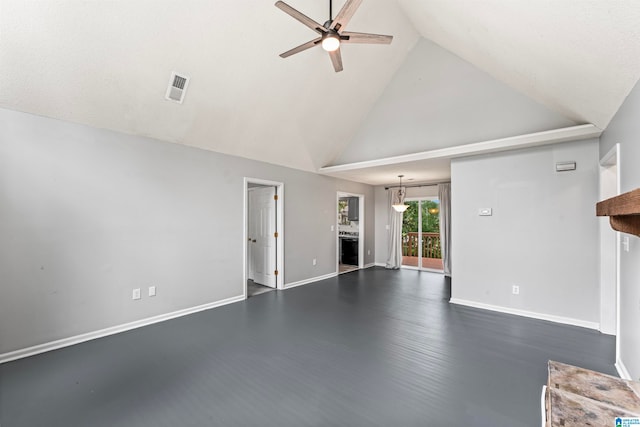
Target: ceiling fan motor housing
{"type": "Point", "coordinates": [331, 34]}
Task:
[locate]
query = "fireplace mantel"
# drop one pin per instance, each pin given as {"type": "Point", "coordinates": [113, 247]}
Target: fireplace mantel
{"type": "Point", "coordinates": [623, 212]}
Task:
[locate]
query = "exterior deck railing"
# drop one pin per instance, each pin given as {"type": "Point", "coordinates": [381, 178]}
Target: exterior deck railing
{"type": "Point", "coordinates": [431, 247]}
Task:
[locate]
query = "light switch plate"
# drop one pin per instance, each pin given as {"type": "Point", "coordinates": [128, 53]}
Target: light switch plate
{"type": "Point", "coordinates": [135, 294]}
{"type": "Point", "coordinates": [152, 291]}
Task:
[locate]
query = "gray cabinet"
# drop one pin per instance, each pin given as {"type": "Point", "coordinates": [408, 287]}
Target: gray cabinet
{"type": "Point", "coordinates": [354, 208]}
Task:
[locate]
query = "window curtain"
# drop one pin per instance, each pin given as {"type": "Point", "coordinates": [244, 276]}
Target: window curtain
{"type": "Point", "coordinates": [395, 230]}
{"type": "Point", "coordinates": [444, 195]}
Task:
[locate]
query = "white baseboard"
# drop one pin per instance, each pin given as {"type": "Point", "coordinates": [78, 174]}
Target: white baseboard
{"type": "Point", "coordinates": [310, 280]}
{"type": "Point", "coordinates": [531, 314]}
{"type": "Point", "coordinates": [373, 264]}
{"type": "Point", "coordinates": [66, 342]}
{"type": "Point", "coordinates": [380, 264]}
{"type": "Point", "coordinates": [622, 370]}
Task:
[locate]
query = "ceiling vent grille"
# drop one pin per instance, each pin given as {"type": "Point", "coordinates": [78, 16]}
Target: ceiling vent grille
{"type": "Point", "coordinates": [177, 87]}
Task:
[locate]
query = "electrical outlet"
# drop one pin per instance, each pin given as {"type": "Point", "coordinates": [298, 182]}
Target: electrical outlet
{"type": "Point", "coordinates": [625, 243]}
{"type": "Point", "coordinates": [515, 289]}
{"type": "Point", "coordinates": [152, 291]}
{"type": "Point", "coordinates": [315, 261]}
{"type": "Point", "coordinates": [333, 228]}
{"type": "Point", "coordinates": [369, 252]}
{"type": "Point", "coordinates": [136, 293]}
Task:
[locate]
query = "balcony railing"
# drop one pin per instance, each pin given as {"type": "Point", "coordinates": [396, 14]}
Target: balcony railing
{"type": "Point", "coordinates": [431, 247]}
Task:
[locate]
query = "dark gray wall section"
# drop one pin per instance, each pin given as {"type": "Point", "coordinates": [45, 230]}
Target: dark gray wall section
{"type": "Point", "coordinates": [625, 130]}
{"type": "Point", "coordinates": [86, 215]}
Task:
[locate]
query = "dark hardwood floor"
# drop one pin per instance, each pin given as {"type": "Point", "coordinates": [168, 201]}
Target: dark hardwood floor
{"type": "Point", "coordinates": [369, 348]}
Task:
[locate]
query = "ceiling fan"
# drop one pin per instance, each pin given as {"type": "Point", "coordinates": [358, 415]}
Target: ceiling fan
{"type": "Point", "coordinates": [331, 33]}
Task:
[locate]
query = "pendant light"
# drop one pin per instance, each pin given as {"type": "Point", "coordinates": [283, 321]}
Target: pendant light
{"type": "Point", "coordinates": [399, 206]}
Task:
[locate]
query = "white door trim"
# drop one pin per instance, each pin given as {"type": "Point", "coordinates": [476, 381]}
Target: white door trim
{"type": "Point", "coordinates": [609, 160]}
{"type": "Point", "coordinates": [420, 200]}
{"type": "Point", "coordinates": [361, 214]}
{"type": "Point", "coordinates": [279, 223]}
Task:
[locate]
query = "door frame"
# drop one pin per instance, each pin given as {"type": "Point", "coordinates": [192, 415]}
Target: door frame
{"type": "Point", "coordinates": [420, 267]}
{"type": "Point", "coordinates": [607, 180]}
{"type": "Point", "coordinates": [279, 228]}
{"type": "Point", "coordinates": [361, 212]}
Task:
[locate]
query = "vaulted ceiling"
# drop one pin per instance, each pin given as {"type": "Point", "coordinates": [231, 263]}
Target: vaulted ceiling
{"type": "Point", "coordinates": [107, 65]}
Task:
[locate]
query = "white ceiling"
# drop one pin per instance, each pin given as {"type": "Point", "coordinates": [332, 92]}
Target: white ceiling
{"type": "Point", "coordinates": [579, 57]}
{"type": "Point", "coordinates": [107, 64]}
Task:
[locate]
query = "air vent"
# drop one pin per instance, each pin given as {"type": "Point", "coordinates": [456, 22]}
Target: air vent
{"type": "Point", "coordinates": [177, 87]}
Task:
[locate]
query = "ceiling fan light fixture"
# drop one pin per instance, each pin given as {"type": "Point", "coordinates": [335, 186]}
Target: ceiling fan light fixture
{"type": "Point", "coordinates": [330, 42]}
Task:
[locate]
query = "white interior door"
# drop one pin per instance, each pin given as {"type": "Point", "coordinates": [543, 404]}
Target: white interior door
{"type": "Point", "coordinates": [251, 227]}
{"type": "Point", "coordinates": [262, 220]}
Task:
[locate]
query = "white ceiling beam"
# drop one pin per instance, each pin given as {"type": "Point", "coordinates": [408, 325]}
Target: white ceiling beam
{"type": "Point", "coordinates": [572, 133]}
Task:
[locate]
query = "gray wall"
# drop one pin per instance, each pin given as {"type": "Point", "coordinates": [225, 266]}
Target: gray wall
{"type": "Point", "coordinates": [625, 130]}
{"type": "Point", "coordinates": [436, 100]}
{"type": "Point", "coordinates": [543, 235]}
{"type": "Point", "coordinates": [86, 215]}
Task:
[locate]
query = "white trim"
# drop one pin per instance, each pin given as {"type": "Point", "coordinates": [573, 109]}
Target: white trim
{"type": "Point", "coordinates": [310, 280]}
{"type": "Point", "coordinates": [280, 227]}
{"type": "Point", "coordinates": [610, 159]}
{"type": "Point", "coordinates": [371, 264]}
{"type": "Point", "coordinates": [421, 199]}
{"type": "Point", "coordinates": [361, 236]}
{"type": "Point", "coordinates": [555, 136]}
{"type": "Point", "coordinates": [66, 342]}
{"type": "Point", "coordinates": [622, 370]}
{"type": "Point", "coordinates": [531, 314]}
{"type": "Point", "coordinates": [380, 264]}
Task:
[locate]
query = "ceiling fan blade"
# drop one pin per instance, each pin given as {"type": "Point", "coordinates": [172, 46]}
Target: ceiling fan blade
{"type": "Point", "coordinates": [344, 16]}
{"type": "Point", "coordinates": [350, 37]}
{"type": "Point", "coordinates": [302, 47]}
{"type": "Point", "coordinates": [300, 17]}
{"type": "Point", "coordinates": [336, 60]}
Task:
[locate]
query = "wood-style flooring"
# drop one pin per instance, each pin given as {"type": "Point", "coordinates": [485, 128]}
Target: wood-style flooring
{"type": "Point", "coordinates": [254, 289]}
{"type": "Point", "coordinates": [373, 347]}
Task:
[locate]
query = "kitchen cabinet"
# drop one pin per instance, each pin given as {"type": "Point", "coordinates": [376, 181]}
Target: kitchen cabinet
{"type": "Point", "coordinates": [353, 208]}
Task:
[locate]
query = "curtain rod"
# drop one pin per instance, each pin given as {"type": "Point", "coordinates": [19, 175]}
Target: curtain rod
{"type": "Point", "coordinates": [432, 184]}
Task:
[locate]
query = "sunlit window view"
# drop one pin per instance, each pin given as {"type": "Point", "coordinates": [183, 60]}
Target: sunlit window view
{"type": "Point", "coordinates": [421, 234]}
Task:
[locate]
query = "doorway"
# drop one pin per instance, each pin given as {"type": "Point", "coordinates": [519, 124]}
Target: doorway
{"type": "Point", "coordinates": [609, 247]}
{"type": "Point", "coordinates": [350, 235]}
{"type": "Point", "coordinates": [421, 247]}
{"type": "Point", "coordinates": [263, 236]}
